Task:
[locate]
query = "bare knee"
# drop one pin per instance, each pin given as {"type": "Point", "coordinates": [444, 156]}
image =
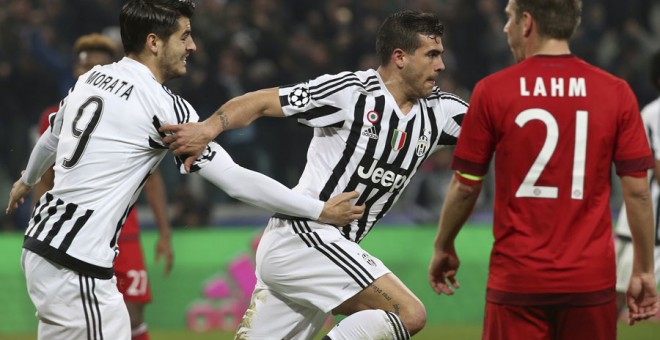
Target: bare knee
{"type": "Point", "coordinates": [413, 317]}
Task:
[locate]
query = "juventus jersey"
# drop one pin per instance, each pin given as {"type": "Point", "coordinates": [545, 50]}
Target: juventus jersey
{"type": "Point", "coordinates": [651, 117]}
{"type": "Point", "coordinates": [362, 141]}
{"type": "Point", "coordinates": [108, 143]}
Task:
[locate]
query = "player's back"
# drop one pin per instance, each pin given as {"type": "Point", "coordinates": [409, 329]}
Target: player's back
{"type": "Point", "coordinates": [108, 144]}
{"type": "Point", "coordinates": [558, 125]}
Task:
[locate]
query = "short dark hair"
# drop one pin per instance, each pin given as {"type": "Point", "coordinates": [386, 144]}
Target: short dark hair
{"type": "Point", "coordinates": [400, 30]}
{"type": "Point", "coordinates": [557, 19]}
{"type": "Point", "coordinates": [139, 18]}
{"type": "Point", "coordinates": [654, 71]}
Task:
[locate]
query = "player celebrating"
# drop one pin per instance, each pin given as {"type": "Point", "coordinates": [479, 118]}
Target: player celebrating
{"type": "Point", "coordinates": [556, 125]}
{"type": "Point", "coordinates": [372, 131]}
{"type": "Point", "coordinates": [132, 279]}
{"type": "Point", "coordinates": [105, 143]}
{"type": "Point", "coordinates": [624, 250]}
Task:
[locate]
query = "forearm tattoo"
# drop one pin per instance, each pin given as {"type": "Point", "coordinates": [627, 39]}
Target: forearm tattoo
{"type": "Point", "coordinates": [224, 121]}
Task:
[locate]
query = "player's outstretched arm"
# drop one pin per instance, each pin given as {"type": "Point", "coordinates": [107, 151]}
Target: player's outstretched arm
{"type": "Point", "coordinates": [260, 190]}
{"type": "Point", "coordinates": [191, 138]}
{"type": "Point", "coordinates": [458, 205]}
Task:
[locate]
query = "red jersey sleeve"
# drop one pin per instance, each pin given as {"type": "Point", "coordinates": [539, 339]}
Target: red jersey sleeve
{"type": "Point", "coordinates": [476, 142]}
{"type": "Point", "coordinates": [632, 152]}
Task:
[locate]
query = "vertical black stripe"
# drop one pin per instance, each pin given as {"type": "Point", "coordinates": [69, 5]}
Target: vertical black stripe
{"type": "Point", "coordinates": [91, 307]}
{"type": "Point", "coordinates": [351, 144]}
{"type": "Point", "coordinates": [98, 310]}
{"type": "Point", "coordinates": [80, 222]}
{"type": "Point", "coordinates": [68, 213]}
{"type": "Point", "coordinates": [51, 211]}
{"type": "Point", "coordinates": [84, 305]}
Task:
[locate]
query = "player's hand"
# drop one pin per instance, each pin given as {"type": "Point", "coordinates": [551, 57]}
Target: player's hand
{"type": "Point", "coordinates": [164, 250]}
{"type": "Point", "coordinates": [642, 297]}
{"type": "Point", "coordinates": [17, 194]}
{"type": "Point", "coordinates": [339, 210]}
{"type": "Point", "coordinates": [187, 139]}
{"type": "Point", "coordinates": [442, 271]}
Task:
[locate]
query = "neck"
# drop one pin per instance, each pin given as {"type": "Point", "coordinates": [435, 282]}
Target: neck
{"type": "Point", "coordinates": [397, 88]}
{"type": "Point", "coordinates": [150, 63]}
{"type": "Point", "coordinates": [548, 47]}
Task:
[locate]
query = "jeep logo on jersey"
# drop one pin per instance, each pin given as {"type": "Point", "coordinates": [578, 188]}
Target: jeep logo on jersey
{"type": "Point", "coordinates": [381, 174]}
{"type": "Point", "coordinates": [422, 146]}
{"type": "Point", "coordinates": [299, 97]}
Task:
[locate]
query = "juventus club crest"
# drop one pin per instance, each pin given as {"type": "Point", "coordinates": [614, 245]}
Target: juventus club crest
{"type": "Point", "coordinates": [398, 139]}
{"type": "Point", "coordinates": [422, 145]}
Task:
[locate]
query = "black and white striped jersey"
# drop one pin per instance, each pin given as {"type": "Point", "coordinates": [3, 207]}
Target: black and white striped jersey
{"type": "Point", "coordinates": [362, 141]}
{"type": "Point", "coordinates": [108, 143]}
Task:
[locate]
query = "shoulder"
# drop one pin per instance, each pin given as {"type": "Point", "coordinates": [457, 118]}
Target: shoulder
{"type": "Point", "coordinates": [367, 80]}
{"type": "Point", "coordinates": [446, 97]}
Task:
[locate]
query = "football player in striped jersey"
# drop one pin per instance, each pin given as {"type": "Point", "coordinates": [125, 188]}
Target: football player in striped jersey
{"type": "Point", "coordinates": [373, 129]}
{"type": "Point", "coordinates": [105, 143]}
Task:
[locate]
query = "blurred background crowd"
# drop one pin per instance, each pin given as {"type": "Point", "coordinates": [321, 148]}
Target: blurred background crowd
{"type": "Point", "coordinates": [244, 45]}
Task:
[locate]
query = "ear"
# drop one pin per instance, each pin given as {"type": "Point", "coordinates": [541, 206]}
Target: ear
{"type": "Point", "coordinates": [398, 57]}
{"type": "Point", "coordinates": [152, 43]}
{"type": "Point", "coordinates": [527, 24]}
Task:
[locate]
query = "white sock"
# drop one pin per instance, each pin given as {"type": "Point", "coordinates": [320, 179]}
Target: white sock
{"type": "Point", "coordinates": [370, 324]}
{"type": "Point", "coordinates": [139, 330]}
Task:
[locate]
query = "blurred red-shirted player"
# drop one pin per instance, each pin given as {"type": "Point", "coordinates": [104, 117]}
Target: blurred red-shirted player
{"type": "Point", "coordinates": [130, 269]}
{"type": "Point", "coordinates": [556, 124]}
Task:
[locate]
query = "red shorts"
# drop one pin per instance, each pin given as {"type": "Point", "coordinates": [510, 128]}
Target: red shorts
{"type": "Point", "coordinates": [508, 322]}
{"type": "Point", "coordinates": [131, 272]}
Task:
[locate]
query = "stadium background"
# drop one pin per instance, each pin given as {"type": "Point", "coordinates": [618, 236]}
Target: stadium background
{"type": "Point", "coordinates": [244, 45]}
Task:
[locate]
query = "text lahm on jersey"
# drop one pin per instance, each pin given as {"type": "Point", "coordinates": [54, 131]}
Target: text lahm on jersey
{"type": "Point", "coordinates": [553, 87]}
{"type": "Point", "coordinates": [380, 175]}
{"type": "Point", "coordinates": [107, 83]}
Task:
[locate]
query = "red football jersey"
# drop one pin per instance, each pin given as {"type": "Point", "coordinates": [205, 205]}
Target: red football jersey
{"type": "Point", "coordinates": [555, 124]}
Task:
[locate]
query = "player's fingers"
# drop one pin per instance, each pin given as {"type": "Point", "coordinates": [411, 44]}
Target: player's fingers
{"type": "Point", "coordinates": [169, 139]}
{"type": "Point", "coordinates": [352, 195]}
{"type": "Point", "coordinates": [441, 287]}
{"type": "Point", "coordinates": [170, 128]}
{"type": "Point", "coordinates": [188, 163]}
{"type": "Point", "coordinates": [452, 279]}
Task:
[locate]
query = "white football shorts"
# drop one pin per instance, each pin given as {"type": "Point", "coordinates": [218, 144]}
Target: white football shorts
{"type": "Point", "coordinates": [73, 306]}
{"type": "Point", "coordinates": [304, 270]}
{"type": "Point", "coordinates": [624, 263]}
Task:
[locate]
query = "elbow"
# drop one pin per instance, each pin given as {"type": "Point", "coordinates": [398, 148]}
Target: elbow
{"type": "Point", "coordinates": [468, 191]}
